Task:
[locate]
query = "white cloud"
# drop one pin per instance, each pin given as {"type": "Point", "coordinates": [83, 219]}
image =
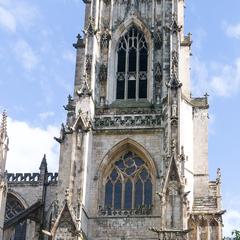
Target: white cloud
{"type": "Point", "coordinates": [17, 13]}
{"type": "Point", "coordinates": [232, 30]}
{"type": "Point", "coordinates": [231, 222]}
{"type": "Point", "coordinates": [231, 219]}
{"type": "Point", "coordinates": [44, 115]}
{"type": "Point", "coordinates": [27, 146]}
{"type": "Point", "coordinates": [215, 78]}
{"type": "Point", "coordinates": [25, 55]}
{"type": "Point", "coordinates": [7, 20]}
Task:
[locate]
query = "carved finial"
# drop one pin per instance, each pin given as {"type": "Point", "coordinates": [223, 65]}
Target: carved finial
{"type": "Point", "coordinates": [206, 95]}
{"type": "Point", "coordinates": [67, 194]}
{"type": "Point", "coordinates": [173, 145]}
{"type": "Point", "coordinates": [3, 128]}
{"type": "Point", "coordinates": [43, 163]}
{"type": "Point", "coordinates": [219, 175]}
{"type": "Point", "coordinates": [79, 43]}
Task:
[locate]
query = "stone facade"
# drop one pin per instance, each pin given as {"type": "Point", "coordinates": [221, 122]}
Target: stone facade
{"type": "Point", "coordinates": [134, 149]}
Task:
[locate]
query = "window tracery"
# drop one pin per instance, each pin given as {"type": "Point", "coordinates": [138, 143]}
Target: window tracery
{"type": "Point", "coordinates": [132, 65]}
{"type": "Point", "coordinates": [129, 184]}
{"type": "Point", "coordinates": [13, 207]}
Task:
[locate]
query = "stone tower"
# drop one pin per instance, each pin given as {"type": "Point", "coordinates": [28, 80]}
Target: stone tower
{"type": "Point", "coordinates": [134, 149]}
{"type": "Point", "coordinates": [133, 128]}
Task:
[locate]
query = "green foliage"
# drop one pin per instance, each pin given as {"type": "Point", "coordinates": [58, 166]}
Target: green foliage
{"type": "Point", "coordinates": [236, 235]}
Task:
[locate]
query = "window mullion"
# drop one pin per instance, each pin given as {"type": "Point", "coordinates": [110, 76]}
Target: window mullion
{"type": "Point", "coordinates": [113, 196]}
{"type": "Point", "coordinates": [123, 193]}
{"type": "Point", "coordinates": [133, 193]}
{"type": "Point", "coordinates": [137, 71]}
{"type": "Point", "coordinates": [143, 193]}
{"type": "Point", "coordinates": [126, 71]}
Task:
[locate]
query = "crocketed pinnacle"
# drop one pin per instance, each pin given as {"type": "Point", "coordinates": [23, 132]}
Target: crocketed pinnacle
{"type": "Point", "coordinates": [3, 127]}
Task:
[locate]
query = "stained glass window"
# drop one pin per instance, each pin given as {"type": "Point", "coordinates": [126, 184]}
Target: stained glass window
{"type": "Point", "coordinates": [132, 65]}
{"type": "Point", "coordinates": [129, 184]}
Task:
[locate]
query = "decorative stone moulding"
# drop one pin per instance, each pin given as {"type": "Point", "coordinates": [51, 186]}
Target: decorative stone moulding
{"type": "Point", "coordinates": [141, 211]}
{"type": "Point", "coordinates": [126, 122]}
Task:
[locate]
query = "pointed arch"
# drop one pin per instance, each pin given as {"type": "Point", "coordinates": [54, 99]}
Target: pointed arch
{"type": "Point", "coordinates": [214, 229]}
{"type": "Point", "coordinates": [66, 218]}
{"type": "Point", "coordinates": [19, 197]}
{"type": "Point", "coordinates": [172, 175]}
{"type": "Point", "coordinates": [118, 149]}
{"type": "Point", "coordinates": [131, 21]}
{"type": "Point", "coordinates": [127, 178]}
{"type": "Point", "coordinates": [15, 205]}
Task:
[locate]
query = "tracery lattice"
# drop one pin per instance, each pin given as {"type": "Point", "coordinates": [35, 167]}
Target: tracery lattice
{"type": "Point", "coordinates": [132, 65]}
{"type": "Point", "coordinates": [13, 207]}
{"type": "Point", "coordinates": [129, 184]}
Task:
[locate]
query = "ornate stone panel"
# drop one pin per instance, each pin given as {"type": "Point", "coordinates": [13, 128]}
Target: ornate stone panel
{"type": "Point", "coordinates": [127, 121]}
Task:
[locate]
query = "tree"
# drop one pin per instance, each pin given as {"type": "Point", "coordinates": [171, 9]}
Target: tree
{"type": "Point", "coordinates": [236, 234]}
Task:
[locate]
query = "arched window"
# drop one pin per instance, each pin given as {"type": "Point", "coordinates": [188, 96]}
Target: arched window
{"type": "Point", "coordinates": [13, 208]}
{"type": "Point", "coordinates": [132, 66]}
{"type": "Point", "coordinates": [129, 184]}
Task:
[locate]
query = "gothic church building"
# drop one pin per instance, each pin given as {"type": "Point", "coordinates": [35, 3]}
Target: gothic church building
{"type": "Point", "coordinates": [133, 158]}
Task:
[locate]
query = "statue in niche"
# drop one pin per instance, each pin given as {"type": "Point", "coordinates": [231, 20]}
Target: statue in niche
{"type": "Point", "coordinates": [105, 38]}
{"type": "Point", "coordinates": [174, 109]}
{"type": "Point", "coordinates": [158, 41]}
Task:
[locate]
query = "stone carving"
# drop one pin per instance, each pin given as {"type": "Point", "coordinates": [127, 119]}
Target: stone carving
{"type": "Point", "coordinates": [89, 31]}
{"type": "Point", "coordinates": [137, 121]}
{"type": "Point", "coordinates": [63, 132]}
{"type": "Point", "coordinates": [174, 109]}
{"type": "Point", "coordinates": [70, 106]}
{"type": "Point", "coordinates": [84, 90]}
{"type": "Point", "coordinates": [88, 64]}
{"type": "Point", "coordinates": [174, 25]}
{"type": "Point", "coordinates": [170, 234]}
{"type": "Point", "coordinates": [219, 175]}
{"type": "Point", "coordinates": [102, 73]}
{"type": "Point", "coordinates": [158, 39]}
{"type": "Point", "coordinates": [127, 111]}
{"type": "Point", "coordinates": [158, 72]}
{"type": "Point", "coordinates": [105, 38]}
{"type": "Point", "coordinates": [174, 81]}
{"type": "Point", "coordinates": [79, 43]}
{"type": "Point", "coordinates": [143, 210]}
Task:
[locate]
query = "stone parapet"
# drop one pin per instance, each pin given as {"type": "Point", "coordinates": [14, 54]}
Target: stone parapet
{"type": "Point", "coordinates": [16, 178]}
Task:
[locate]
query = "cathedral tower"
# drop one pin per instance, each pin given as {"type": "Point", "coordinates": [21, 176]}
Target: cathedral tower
{"type": "Point", "coordinates": [133, 129]}
{"type": "Point", "coordinates": [134, 149]}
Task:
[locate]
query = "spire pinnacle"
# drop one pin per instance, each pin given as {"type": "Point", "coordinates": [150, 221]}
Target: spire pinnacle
{"type": "Point", "coordinates": [43, 163]}
{"type": "Point", "coordinates": [3, 127]}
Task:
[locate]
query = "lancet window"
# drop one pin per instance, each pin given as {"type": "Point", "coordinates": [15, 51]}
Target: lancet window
{"type": "Point", "coordinates": [132, 64]}
{"type": "Point", "coordinates": [129, 184]}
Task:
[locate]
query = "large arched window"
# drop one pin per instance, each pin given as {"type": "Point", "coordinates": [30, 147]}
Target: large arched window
{"type": "Point", "coordinates": [128, 184]}
{"type": "Point", "coordinates": [132, 65]}
{"type": "Point", "coordinates": [13, 208]}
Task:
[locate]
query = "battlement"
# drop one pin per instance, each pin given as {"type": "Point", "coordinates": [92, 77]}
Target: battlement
{"type": "Point", "coordinates": [30, 177]}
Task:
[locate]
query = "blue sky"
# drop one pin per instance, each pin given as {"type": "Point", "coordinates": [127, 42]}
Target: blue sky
{"type": "Point", "coordinates": [37, 63]}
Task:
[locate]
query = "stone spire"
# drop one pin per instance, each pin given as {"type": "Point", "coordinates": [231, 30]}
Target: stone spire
{"type": "Point", "coordinates": [3, 128]}
{"type": "Point", "coordinates": [3, 142]}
